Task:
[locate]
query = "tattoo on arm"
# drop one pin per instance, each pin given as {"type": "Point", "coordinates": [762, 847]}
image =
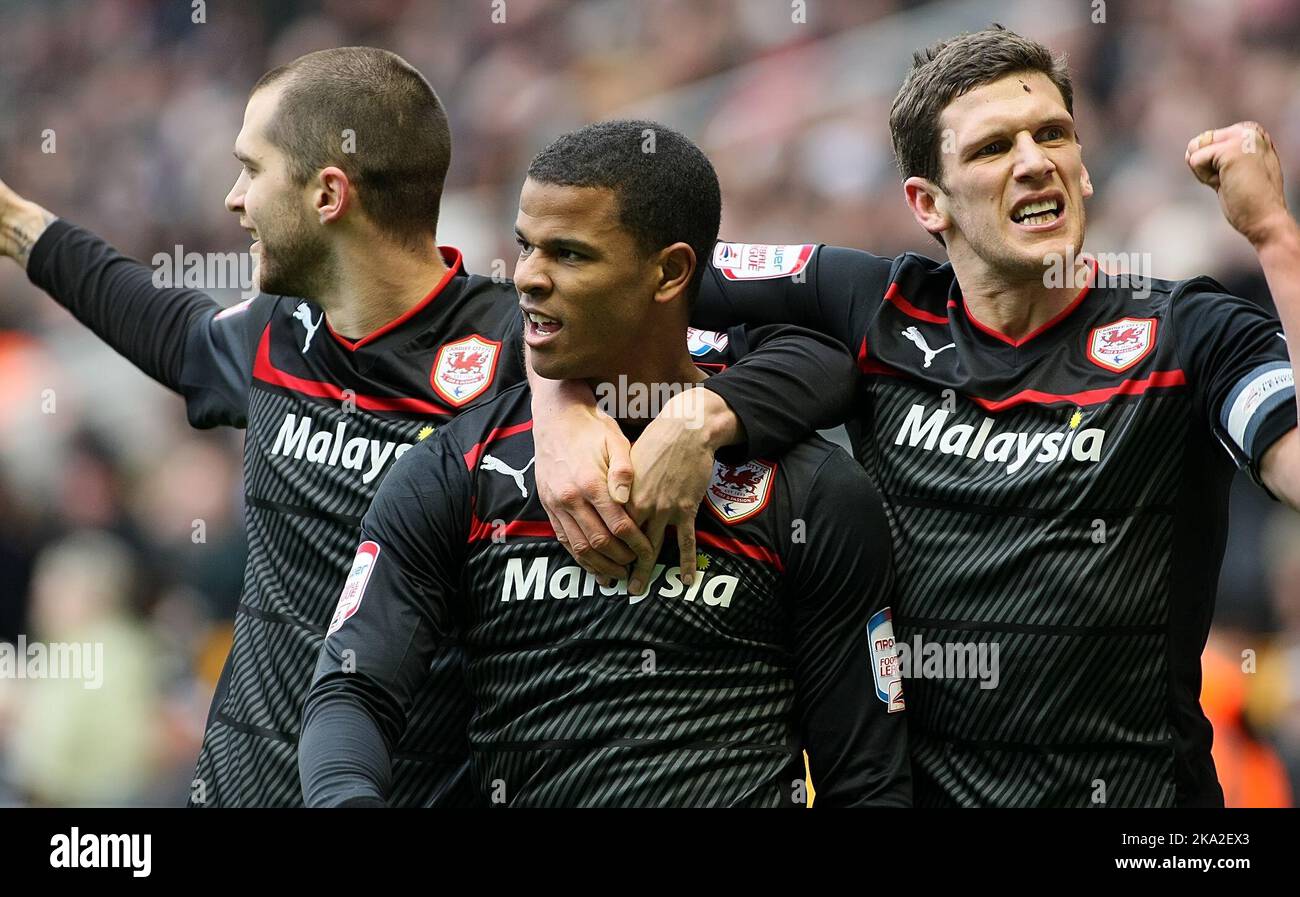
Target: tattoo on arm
{"type": "Point", "coordinates": [19, 234]}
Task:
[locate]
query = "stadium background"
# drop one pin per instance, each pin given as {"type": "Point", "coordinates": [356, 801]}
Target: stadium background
{"type": "Point", "coordinates": [105, 492]}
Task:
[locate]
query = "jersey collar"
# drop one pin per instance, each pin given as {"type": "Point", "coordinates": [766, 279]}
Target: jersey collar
{"type": "Point", "coordinates": [454, 261]}
{"type": "Point", "coordinates": [1061, 316]}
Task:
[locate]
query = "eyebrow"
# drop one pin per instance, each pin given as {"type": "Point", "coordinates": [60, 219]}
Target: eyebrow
{"type": "Point", "coordinates": [245, 159]}
{"type": "Point", "coordinates": [559, 243]}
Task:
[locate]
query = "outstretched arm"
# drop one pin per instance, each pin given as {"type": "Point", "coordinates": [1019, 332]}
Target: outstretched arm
{"type": "Point", "coordinates": [174, 335]}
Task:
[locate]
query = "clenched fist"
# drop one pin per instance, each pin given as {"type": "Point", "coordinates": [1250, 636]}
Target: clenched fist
{"type": "Point", "coordinates": [1241, 163]}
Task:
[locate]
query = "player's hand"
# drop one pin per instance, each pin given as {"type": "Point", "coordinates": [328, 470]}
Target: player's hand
{"type": "Point", "coordinates": [673, 462]}
{"type": "Point", "coordinates": [1241, 163]}
{"type": "Point", "coordinates": [583, 475]}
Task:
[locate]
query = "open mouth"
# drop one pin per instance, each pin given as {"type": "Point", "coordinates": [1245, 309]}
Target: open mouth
{"type": "Point", "coordinates": [1039, 212]}
{"type": "Point", "coordinates": [540, 325]}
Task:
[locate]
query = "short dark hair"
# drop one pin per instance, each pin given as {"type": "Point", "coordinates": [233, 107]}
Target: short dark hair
{"type": "Point", "coordinates": [950, 69]}
{"type": "Point", "coordinates": [402, 139]}
{"type": "Point", "coordinates": [666, 188]}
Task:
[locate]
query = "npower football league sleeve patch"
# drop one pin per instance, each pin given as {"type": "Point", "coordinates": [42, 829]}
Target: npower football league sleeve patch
{"type": "Point", "coordinates": [761, 261]}
{"type": "Point", "coordinates": [355, 587]}
{"type": "Point", "coordinates": [885, 664]}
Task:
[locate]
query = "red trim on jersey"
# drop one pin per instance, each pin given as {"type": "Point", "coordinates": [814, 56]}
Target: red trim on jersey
{"type": "Point", "coordinates": [894, 295]}
{"type": "Point", "coordinates": [452, 257]}
{"type": "Point", "coordinates": [735, 546]}
{"type": "Point", "coordinates": [1133, 387]}
{"type": "Point", "coordinates": [267, 372]}
{"type": "Point", "coordinates": [1061, 316]}
{"type": "Point", "coordinates": [542, 529]}
{"type": "Point", "coordinates": [868, 366]}
{"type": "Point", "coordinates": [1157, 380]}
{"type": "Point", "coordinates": [862, 357]}
{"type": "Point", "coordinates": [480, 530]}
{"type": "Point", "coordinates": [472, 456]}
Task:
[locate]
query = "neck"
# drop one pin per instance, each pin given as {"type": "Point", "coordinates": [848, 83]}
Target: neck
{"type": "Point", "coordinates": [636, 393]}
{"type": "Point", "coordinates": [1017, 308]}
{"type": "Point", "coordinates": [378, 283]}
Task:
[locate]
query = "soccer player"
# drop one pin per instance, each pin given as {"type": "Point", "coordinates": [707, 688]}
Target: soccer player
{"type": "Point", "coordinates": [393, 339]}
{"type": "Point", "coordinates": [1053, 442]}
{"type": "Point", "coordinates": [693, 692]}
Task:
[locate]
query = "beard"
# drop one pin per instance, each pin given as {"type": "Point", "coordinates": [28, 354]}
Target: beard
{"type": "Point", "coordinates": [294, 262]}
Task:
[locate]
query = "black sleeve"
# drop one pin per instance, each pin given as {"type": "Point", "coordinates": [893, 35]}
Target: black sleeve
{"type": "Point", "coordinates": [829, 289]}
{"type": "Point", "coordinates": [848, 686]}
{"type": "Point", "coordinates": [180, 337]}
{"type": "Point", "coordinates": [393, 612]}
{"type": "Point", "coordinates": [786, 383]}
{"type": "Point", "coordinates": [1235, 358]}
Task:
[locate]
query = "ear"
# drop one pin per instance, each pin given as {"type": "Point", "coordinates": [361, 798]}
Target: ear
{"type": "Point", "coordinates": [676, 265]}
{"type": "Point", "coordinates": [331, 194]}
{"type": "Point", "coordinates": [929, 204]}
{"type": "Point", "coordinates": [1086, 182]}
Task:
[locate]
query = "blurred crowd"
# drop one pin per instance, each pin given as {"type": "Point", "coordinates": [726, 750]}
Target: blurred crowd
{"type": "Point", "coordinates": [120, 525]}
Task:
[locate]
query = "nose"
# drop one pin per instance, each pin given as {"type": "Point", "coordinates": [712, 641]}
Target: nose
{"type": "Point", "coordinates": [530, 276]}
{"type": "Point", "coordinates": [235, 198]}
{"type": "Point", "coordinates": [1031, 163]}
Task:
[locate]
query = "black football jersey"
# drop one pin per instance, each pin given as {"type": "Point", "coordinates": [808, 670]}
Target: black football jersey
{"type": "Point", "coordinates": [326, 417]}
{"type": "Point", "coordinates": [1058, 500]}
{"type": "Point", "coordinates": [700, 694]}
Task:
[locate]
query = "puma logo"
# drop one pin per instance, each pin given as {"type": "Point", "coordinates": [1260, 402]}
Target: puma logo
{"type": "Point", "coordinates": [915, 336]}
{"type": "Point", "coordinates": [303, 313]}
{"type": "Point", "coordinates": [496, 464]}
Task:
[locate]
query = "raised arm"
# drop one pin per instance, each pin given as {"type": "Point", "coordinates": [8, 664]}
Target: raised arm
{"type": "Point", "coordinates": [174, 335]}
{"type": "Point", "coordinates": [1241, 164]}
